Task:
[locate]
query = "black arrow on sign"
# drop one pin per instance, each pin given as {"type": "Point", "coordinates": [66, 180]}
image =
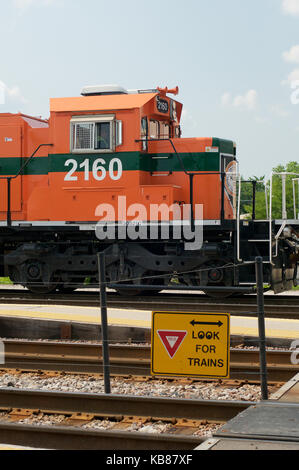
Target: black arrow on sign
{"type": "Point", "coordinates": [193, 323]}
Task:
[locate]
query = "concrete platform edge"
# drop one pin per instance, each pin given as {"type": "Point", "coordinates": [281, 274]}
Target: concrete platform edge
{"type": "Point", "coordinates": [30, 328]}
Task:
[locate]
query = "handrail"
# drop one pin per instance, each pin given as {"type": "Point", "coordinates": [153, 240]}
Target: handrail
{"type": "Point", "coordinates": [191, 178]}
{"type": "Point", "coordinates": [20, 172]}
{"type": "Point", "coordinates": [239, 219]}
{"type": "Point", "coordinates": [296, 214]}
{"type": "Point", "coordinates": [270, 219]}
{"type": "Point", "coordinates": [283, 175]}
{"type": "Point", "coordinates": [188, 173]}
{"type": "Point", "coordinates": [254, 184]}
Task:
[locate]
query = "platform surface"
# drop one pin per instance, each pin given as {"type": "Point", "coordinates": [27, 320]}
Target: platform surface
{"type": "Point", "coordinates": [11, 447]}
{"type": "Point", "coordinates": [275, 328]}
{"type": "Point", "coordinates": [247, 444]}
{"type": "Point", "coordinates": [272, 425]}
{"type": "Point", "coordinates": [274, 421]}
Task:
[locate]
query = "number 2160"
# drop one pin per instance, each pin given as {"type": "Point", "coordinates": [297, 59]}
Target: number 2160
{"type": "Point", "coordinates": [99, 172]}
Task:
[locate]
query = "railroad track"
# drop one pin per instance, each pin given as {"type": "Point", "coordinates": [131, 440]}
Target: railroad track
{"type": "Point", "coordinates": [184, 420]}
{"type": "Point", "coordinates": [98, 421]}
{"type": "Point", "coordinates": [275, 306]}
{"type": "Point", "coordinates": [132, 360]}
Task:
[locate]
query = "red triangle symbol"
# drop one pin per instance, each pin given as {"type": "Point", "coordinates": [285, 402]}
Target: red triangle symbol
{"type": "Point", "coordinates": [172, 340]}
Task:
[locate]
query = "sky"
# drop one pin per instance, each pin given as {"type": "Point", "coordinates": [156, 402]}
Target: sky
{"type": "Point", "coordinates": [236, 63]}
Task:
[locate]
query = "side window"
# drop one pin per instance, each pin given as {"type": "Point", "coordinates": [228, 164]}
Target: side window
{"type": "Point", "coordinates": [102, 136]}
{"type": "Point", "coordinates": [144, 133]}
{"type": "Point", "coordinates": [118, 133]}
{"type": "Point", "coordinates": [144, 128]}
{"type": "Point", "coordinates": [177, 131]}
{"type": "Point", "coordinates": [164, 130]}
{"type": "Point", "coordinates": [82, 136]}
{"type": "Point", "coordinates": [154, 129]}
{"type": "Point", "coordinates": [95, 134]}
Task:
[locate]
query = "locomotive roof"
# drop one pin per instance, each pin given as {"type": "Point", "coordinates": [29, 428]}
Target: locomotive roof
{"type": "Point", "coordinates": [102, 102]}
{"type": "Point", "coordinates": [33, 121]}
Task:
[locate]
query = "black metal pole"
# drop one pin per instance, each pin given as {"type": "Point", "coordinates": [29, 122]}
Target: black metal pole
{"type": "Point", "coordinates": [261, 323]}
{"type": "Point", "coordinates": [9, 201]}
{"type": "Point", "coordinates": [253, 199]}
{"type": "Point", "coordinates": [103, 300]}
{"type": "Point", "coordinates": [222, 213]}
{"type": "Point", "coordinates": [191, 184]}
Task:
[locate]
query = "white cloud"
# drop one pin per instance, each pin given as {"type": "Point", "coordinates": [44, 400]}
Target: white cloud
{"type": "Point", "coordinates": [22, 5]}
{"type": "Point", "coordinates": [292, 77]}
{"type": "Point", "coordinates": [12, 95]}
{"type": "Point", "coordinates": [292, 55]}
{"type": "Point", "coordinates": [291, 7]}
{"type": "Point", "coordinates": [261, 119]}
{"type": "Point", "coordinates": [279, 112]}
{"type": "Point", "coordinates": [15, 94]}
{"type": "Point", "coordinates": [2, 92]}
{"type": "Point", "coordinates": [188, 121]}
{"type": "Point", "coordinates": [225, 99]}
{"type": "Point", "coordinates": [247, 101]}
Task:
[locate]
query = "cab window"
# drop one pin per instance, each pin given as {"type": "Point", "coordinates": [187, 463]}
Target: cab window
{"type": "Point", "coordinates": [95, 134]}
{"type": "Point", "coordinates": [154, 129]}
{"type": "Point", "coordinates": [82, 138]}
{"type": "Point", "coordinates": [164, 130]}
{"type": "Point", "coordinates": [144, 128]}
{"type": "Point", "coordinates": [102, 136]}
{"type": "Point", "coordinates": [177, 132]}
{"type": "Point", "coordinates": [144, 133]}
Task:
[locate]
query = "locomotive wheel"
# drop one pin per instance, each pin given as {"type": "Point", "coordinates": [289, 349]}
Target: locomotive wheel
{"type": "Point", "coordinates": [131, 274]}
{"type": "Point", "coordinates": [129, 292]}
{"type": "Point", "coordinates": [218, 278]}
{"type": "Point", "coordinates": [219, 294]}
{"type": "Point", "coordinates": [69, 287]}
{"type": "Point", "coordinates": [216, 275]}
{"type": "Point", "coordinates": [35, 274]}
{"type": "Point", "coordinates": [66, 290]}
{"type": "Point", "coordinates": [40, 288]}
{"type": "Point", "coordinates": [136, 292]}
{"type": "Point", "coordinates": [148, 280]}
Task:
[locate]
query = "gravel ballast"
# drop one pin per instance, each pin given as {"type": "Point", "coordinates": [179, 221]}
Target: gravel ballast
{"type": "Point", "coordinates": [154, 388]}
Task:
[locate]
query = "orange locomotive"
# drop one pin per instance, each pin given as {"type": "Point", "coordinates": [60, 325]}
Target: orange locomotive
{"type": "Point", "coordinates": [116, 157]}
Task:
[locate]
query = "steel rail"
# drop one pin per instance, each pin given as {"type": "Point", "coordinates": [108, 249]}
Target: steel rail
{"type": "Point", "coordinates": [68, 437]}
{"type": "Point", "coordinates": [240, 372]}
{"type": "Point", "coordinates": [90, 292]}
{"type": "Point", "coordinates": [72, 438]}
{"type": "Point", "coordinates": [92, 352]}
{"type": "Point", "coordinates": [123, 405]}
{"type": "Point", "coordinates": [130, 359]}
{"type": "Point", "coordinates": [275, 307]}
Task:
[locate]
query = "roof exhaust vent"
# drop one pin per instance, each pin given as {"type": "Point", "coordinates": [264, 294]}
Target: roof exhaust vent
{"type": "Point", "coordinates": [100, 90]}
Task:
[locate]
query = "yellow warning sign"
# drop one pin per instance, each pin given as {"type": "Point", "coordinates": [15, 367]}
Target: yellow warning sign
{"type": "Point", "coordinates": [190, 344]}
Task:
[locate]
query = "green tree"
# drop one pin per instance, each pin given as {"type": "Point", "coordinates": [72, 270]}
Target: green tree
{"type": "Point", "coordinates": [247, 194]}
{"type": "Point", "coordinates": [291, 167]}
{"type": "Point", "coordinates": [261, 212]}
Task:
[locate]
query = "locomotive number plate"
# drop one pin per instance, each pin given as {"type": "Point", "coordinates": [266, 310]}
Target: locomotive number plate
{"type": "Point", "coordinates": [97, 170]}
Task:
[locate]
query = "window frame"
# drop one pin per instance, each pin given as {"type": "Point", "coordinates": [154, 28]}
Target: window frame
{"type": "Point", "coordinates": [164, 136]}
{"type": "Point", "coordinates": [115, 132]}
{"type": "Point", "coordinates": [144, 137]}
{"type": "Point", "coordinates": [157, 123]}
